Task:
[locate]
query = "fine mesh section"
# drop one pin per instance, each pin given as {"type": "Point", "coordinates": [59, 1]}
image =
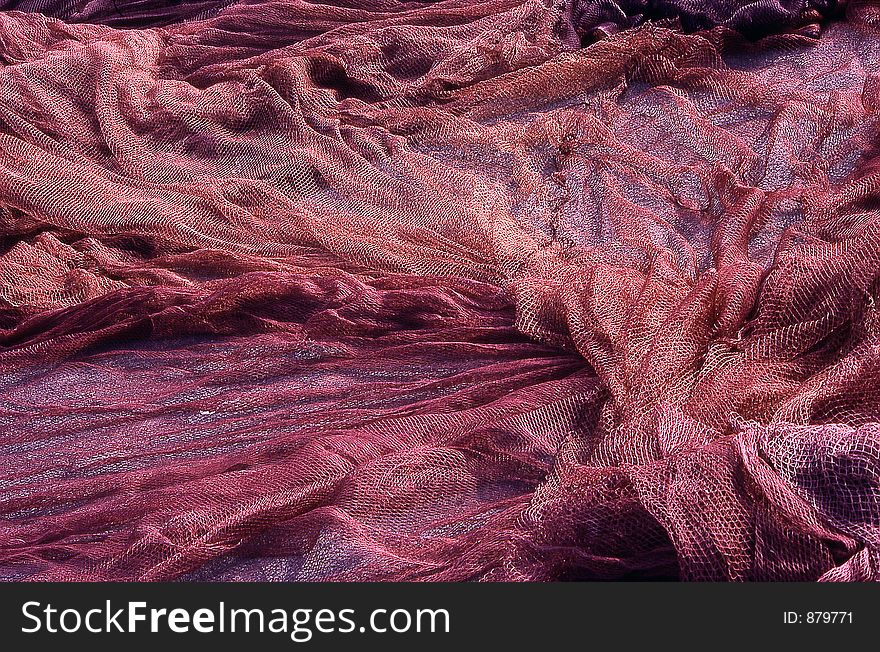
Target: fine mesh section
{"type": "Point", "coordinates": [501, 290]}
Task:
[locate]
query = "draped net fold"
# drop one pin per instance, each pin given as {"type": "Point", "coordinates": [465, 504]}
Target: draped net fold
{"type": "Point", "coordinates": [458, 290]}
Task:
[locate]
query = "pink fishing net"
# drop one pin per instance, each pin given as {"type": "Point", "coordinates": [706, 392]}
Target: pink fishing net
{"type": "Point", "coordinates": [459, 290]}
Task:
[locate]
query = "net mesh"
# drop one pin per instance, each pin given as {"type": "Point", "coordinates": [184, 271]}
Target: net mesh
{"type": "Point", "coordinates": [495, 290]}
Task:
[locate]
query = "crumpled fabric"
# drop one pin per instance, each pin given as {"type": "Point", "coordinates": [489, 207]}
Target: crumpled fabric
{"type": "Point", "coordinates": [507, 290]}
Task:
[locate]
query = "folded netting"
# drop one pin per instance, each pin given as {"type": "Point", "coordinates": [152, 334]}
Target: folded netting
{"type": "Point", "coordinates": [457, 290]}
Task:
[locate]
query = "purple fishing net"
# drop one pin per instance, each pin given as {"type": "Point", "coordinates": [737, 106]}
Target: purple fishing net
{"type": "Point", "coordinates": [458, 290]}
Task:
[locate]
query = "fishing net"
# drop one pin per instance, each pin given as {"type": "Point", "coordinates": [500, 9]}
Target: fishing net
{"type": "Point", "coordinates": [458, 290]}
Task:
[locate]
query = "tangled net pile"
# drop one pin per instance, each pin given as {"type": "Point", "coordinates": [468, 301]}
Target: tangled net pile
{"type": "Point", "coordinates": [458, 290]}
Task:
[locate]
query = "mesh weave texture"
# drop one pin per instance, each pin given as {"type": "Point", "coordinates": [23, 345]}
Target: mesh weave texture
{"type": "Point", "coordinates": [458, 290]}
